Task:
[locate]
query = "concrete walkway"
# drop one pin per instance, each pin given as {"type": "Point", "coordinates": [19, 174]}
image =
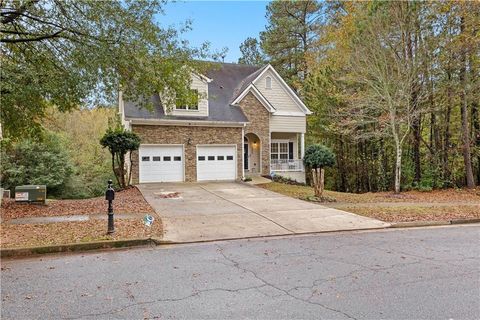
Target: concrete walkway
{"type": "Point", "coordinates": [216, 211]}
{"type": "Point", "coordinates": [70, 218]}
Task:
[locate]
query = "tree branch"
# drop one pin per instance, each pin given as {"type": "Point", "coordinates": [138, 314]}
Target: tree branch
{"type": "Point", "coordinates": [14, 15]}
{"type": "Point", "coordinates": [40, 38]}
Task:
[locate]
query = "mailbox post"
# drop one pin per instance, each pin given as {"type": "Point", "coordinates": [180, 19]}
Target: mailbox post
{"type": "Point", "coordinates": [110, 196]}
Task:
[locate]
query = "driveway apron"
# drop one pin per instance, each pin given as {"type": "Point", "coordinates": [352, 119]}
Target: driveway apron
{"type": "Point", "coordinates": [228, 210]}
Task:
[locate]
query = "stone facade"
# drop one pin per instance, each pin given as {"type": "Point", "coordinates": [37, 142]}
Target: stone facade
{"type": "Point", "coordinates": [259, 124]}
{"type": "Point", "coordinates": [190, 137]}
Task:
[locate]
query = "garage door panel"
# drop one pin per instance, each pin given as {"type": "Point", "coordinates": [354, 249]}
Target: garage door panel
{"type": "Point", "coordinates": [216, 163]}
{"type": "Point", "coordinates": [161, 163]}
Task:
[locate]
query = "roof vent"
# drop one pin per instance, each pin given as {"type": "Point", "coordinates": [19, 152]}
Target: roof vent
{"type": "Point", "coordinates": [221, 87]}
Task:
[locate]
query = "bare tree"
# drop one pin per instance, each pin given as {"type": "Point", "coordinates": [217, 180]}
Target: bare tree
{"type": "Point", "coordinates": [384, 76]}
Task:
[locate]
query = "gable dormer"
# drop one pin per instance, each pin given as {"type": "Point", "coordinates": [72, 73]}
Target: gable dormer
{"type": "Point", "coordinates": [279, 94]}
{"type": "Point", "coordinates": [196, 104]}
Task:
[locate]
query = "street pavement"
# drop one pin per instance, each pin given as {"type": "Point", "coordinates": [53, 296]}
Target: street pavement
{"type": "Point", "coordinates": [424, 273]}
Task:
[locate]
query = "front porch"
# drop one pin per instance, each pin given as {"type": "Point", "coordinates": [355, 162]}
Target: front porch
{"type": "Point", "coordinates": [284, 155]}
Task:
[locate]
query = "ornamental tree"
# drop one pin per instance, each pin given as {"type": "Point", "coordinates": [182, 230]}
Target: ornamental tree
{"type": "Point", "coordinates": [317, 157]}
{"type": "Point", "coordinates": [120, 142]}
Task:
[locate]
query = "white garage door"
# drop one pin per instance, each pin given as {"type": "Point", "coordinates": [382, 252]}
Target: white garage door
{"type": "Point", "coordinates": [161, 163]}
{"type": "Point", "coordinates": [216, 162]}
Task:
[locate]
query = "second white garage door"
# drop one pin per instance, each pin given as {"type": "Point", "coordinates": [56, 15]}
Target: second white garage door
{"type": "Point", "coordinates": [216, 163]}
{"type": "Point", "coordinates": [161, 163]}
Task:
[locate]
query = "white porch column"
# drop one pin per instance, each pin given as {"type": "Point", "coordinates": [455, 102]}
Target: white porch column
{"type": "Point", "coordinates": [243, 152]}
{"type": "Point", "coordinates": [302, 145]}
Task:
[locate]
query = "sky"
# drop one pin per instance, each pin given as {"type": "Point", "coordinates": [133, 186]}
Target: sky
{"type": "Point", "coordinates": [222, 23]}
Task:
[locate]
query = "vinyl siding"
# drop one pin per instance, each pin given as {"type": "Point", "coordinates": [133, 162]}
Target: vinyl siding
{"type": "Point", "coordinates": [277, 95]}
{"type": "Point", "coordinates": [288, 124]}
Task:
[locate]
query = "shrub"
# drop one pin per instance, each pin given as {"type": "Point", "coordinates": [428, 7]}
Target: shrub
{"type": "Point", "coordinates": [318, 156]}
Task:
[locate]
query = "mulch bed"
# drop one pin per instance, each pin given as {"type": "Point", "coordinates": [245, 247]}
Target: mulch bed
{"type": "Point", "coordinates": [418, 213]}
{"type": "Point", "coordinates": [75, 232]}
{"type": "Point", "coordinates": [126, 201]}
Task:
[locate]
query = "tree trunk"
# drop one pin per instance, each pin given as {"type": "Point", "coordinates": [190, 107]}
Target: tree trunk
{"type": "Point", "coordinates": [129, 178]}
{"type": "Point", "coordinates": [322, 181]}
{"type": "Point", "coordinates": [467, 159]}
{"type": "Point", "coordinates": [122, 170]}
{"type": "Point", "coordinates": [446, 140]}
{"type": "Point", "coordinates": [398, 168]}
{"type": "Point", "coordinates": [476, 134]}
{"type": "Point", "coordinates": [416, 149]}
{"type": "Point", "coordinates": [318, 181]}
{"type": "Point", "coordinates": [113, 168]}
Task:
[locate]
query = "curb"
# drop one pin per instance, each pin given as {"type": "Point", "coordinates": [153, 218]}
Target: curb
{"type": "Point", "coordinates": [413, 224]}
{"type": "Point", "coordinates": [111, 244]}
{"type": "Point", "coordinates": [74, 247]}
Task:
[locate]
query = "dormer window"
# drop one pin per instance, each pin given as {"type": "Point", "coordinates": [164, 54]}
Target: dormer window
{"type": "Point", "coordinates": [268, 83]}
{"type": "Point", "coordinates": [190, 102]}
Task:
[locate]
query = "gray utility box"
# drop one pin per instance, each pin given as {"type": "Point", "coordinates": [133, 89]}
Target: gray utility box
{"type": "Point", "coordinates": [31, 193]}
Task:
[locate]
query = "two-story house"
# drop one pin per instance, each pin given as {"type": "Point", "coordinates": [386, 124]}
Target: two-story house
{"type": "Point", "coordinates": [247, 121]}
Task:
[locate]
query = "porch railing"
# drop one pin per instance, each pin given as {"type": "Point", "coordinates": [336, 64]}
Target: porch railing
{"type": "Point", "coordinates": [286, 165]}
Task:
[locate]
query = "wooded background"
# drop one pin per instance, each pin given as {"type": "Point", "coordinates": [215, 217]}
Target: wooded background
{"type": "Point", "coordinates": [393, 86]}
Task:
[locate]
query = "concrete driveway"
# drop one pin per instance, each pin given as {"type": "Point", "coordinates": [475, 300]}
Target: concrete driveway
{"type": "Point", "coordinates": [229, 210]}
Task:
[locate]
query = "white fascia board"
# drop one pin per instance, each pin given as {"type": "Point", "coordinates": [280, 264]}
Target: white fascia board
{"type": "Point", "coordinates": [202, 77]}
{"type": "Point", "coordinates": [286, 87]}
{"type": "Point", "coordinates": [193, 123]}
{"type": "Point", "coordinates": [251, 88]}
{"type": "Point", "coordinates": [289, 113]}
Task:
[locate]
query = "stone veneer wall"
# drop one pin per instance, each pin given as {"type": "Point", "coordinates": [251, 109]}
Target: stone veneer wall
{"type": "Point", "coordinates": [259, 119]}
{"type": "Point", "coordinates": [151, 134]}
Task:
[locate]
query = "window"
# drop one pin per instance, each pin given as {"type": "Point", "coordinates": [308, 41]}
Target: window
{"type": "Point", "coordinates": [220, 158]}
{"type": "Point", "coordinates": [229, 157]}
{"type": "Point", "coordinates": [211, 158]}
{"type": "Point", "coordinates": [145, 158]}
{"type": "Point", "coordinates": [190, 102]}
{"type": "Point", "coordinates": [167, 158]}
{"type": "Point", "coordinates": [201, 158]}
{"type": "Point", "coordinates": [279, 151]}
{"type": "Point", "coordinates": [178, 158]}
{"type": "Point", "coordinates": [268, 83]}
{"type": "Point", "coordinates": [156, 158]}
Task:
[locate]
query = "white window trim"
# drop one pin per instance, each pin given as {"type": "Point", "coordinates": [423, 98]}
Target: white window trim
{"type": "Point", "coordinates": [278, 153]}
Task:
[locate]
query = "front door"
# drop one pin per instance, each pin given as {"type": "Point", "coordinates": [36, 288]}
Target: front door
{"type": "Point", "coordinates": [245, 156]}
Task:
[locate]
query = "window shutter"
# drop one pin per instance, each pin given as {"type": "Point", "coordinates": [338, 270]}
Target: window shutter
{"type": "Point", "coordinates": [290, 150]}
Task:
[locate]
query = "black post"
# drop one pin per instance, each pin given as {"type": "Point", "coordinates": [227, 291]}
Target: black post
{"type": "Point", "coordinates": [110, 196]}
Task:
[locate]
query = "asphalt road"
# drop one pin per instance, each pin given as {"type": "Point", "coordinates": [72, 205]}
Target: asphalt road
{"type": "Point", "coordinates": [429, 273]}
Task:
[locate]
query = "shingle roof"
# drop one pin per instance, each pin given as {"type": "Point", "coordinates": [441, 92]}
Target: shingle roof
{"type": "Point", "coordinates": [228, 79]}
